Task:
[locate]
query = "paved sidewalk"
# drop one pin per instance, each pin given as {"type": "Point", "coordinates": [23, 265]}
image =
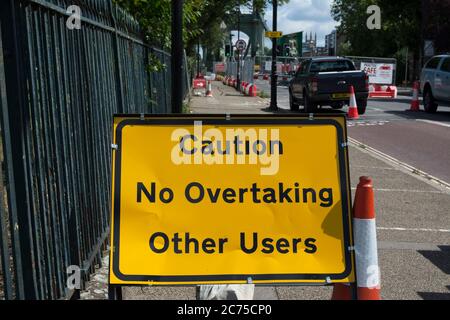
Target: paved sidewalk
{"type": "Point", "coordinates": [413, 227]}
{"type": "Point", "coordinates": [227, 100]}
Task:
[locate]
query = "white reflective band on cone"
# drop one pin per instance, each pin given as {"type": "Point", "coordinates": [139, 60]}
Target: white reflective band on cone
{"type": "Point", "coordinates": [366, 250]}
{"type": "Point", "coordinates": [353, 101]}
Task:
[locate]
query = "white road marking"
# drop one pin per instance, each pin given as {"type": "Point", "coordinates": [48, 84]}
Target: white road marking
{"type": "Point", "coordinates": [375, 168]}
{"type": "Point", "coordinates": [406, 191]}
{"type": "Point", "coordinates": [447, 125]}
{"type": "Point", "coordinates": [387, 158]}
{"type": "Point", "coordinates": [389, 245]}
{"type": "Point", "coordinates": [414, 229]}
{"type": "Point", "coordinates": [367, 123]}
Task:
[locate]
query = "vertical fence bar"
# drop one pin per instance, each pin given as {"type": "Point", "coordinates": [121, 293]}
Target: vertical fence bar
{"type": "Point", "coordinates": [15, 146]}
{"type": "Point", "coordinates": [5, 261]}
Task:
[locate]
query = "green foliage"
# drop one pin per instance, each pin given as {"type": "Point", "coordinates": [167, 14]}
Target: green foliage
{"type": "Point", "coordinates": [202, 19]}
{"type": "Point", "coordinates": [399, 26]}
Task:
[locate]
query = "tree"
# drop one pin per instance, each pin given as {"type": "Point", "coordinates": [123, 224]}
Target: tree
{"type": "Point", "coordinates": [400, 28]}
{"type": "Point", "coordinates": [202, 19]}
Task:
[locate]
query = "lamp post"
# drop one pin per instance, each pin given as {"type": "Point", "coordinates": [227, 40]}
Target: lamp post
{"type": "Point", "coordinates": [273, 91]}
{"type": "Point", "coordinates": [238, 80]}
{"type": "Point", "coordinates": [177, 56]}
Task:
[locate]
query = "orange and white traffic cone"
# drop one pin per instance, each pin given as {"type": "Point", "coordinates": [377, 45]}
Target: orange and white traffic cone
{"type": "Point", "coordinates": [209, 90]}
{"type": "Point", "coordinates": [415, 103]}
{"type": "Point", "coordinates": [366, 248]}
{"type": "Point", "coordinates": [353, 110]}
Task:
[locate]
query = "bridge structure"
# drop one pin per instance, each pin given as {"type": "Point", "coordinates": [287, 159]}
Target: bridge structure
{"type": "Point", "coordinates": [253, 25]}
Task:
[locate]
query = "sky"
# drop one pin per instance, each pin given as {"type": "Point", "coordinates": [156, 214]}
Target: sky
{"type": "Point", "coordinates": [303, 15]}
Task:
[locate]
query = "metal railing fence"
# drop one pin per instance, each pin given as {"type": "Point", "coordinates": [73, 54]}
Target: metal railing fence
{"type": "Point", "coordinates": [59, 89]}
{"type": "Point", "coordinates": [247, 69]}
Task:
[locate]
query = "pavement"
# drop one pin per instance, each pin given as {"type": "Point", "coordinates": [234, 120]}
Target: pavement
{"type": "Point", "coordinates": [407, 155]}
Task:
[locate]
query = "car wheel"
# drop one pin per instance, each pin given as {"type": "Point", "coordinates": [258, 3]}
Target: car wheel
{"type": "Point", "coordinates": [309, 106]}
{"type": "Point", "coordinates": [429, 103]}
{"type": "Point", "coordinates": [292, 104]}
{"type": "Point", "coordinates": [362, 106]}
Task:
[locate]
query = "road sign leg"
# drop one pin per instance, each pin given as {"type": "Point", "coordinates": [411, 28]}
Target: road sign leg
{"type": "Point", "coordinates": [114, 292]}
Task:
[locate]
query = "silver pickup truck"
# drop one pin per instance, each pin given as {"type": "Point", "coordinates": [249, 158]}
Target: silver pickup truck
{"type": "Point", "coordinates": [435, 83]}
{"type": "Point", "coordinates": [326, 81]}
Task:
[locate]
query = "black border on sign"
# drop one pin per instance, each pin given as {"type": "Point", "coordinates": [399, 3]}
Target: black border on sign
{"type": "Point", "coordinates": [233, 120]}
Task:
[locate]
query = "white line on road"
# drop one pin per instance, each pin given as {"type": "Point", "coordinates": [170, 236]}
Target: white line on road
{"type": "Point", "coordinates": [447, 125]}
{"type": "Point", "coordinates": [387, 158]}
{"type": "Point", "coordinates": [415, 230]}
{"type": "Point", "coordinates": [408, 191]}
{"type": "Point", "coordinates": [390, 245]}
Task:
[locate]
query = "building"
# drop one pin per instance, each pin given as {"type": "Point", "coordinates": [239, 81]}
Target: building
{"type": "Point", "coordinates": [310, 46]}
{"type": "Point", "coordinates": [331, 41]}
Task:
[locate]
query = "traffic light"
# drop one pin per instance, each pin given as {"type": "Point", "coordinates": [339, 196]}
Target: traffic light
{"type": "Point", "coordinates": [228, 50]}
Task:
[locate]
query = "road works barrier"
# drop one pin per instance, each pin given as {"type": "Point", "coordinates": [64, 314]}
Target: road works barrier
{"type": "Point", "coordinates": [366, 249]}
{"type": "Point", "coordinates": [381, 73]}
{"type": "Point", "coordinates": [353, 109]}
{"type": "Point", "coordinates": [249, 89]}
{"type": "Point", "coordinates": [415, 103]}
{"type": "Point", "coordinates": [199, 85]}
{"type": "Point", "coordinates": [378, 91]}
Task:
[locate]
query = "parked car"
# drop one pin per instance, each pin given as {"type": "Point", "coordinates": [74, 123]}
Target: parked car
{"type": "Point", "coordinates": [326, 81]}
{"type": "Point", "coordinates": [435, 83]}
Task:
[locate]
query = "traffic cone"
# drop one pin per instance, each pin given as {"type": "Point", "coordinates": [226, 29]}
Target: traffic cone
{"type": "Point", "coordinates": [209, 90]}
{"type": "Point", "coordinates": [415, 103]}
{"type": "Point", "coordinates": [353, 111]}
{"type": "Point", "coordinates": [366, 248]}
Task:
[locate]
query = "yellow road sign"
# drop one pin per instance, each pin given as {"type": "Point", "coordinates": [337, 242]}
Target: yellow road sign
{"type": "Point", "coordinates": [274, 34]}
{"type": "Point", "coordinates": [220, 200]}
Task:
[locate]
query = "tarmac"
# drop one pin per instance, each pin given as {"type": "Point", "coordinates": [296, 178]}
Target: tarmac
{"type": "Point", "coordinates": [413, 240]}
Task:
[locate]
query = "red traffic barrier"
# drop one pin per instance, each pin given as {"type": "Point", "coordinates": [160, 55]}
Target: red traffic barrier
{"type": "Point", "coordinates": [253, 90]}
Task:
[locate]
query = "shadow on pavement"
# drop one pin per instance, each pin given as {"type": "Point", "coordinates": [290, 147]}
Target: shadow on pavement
{"type": "Point", "coordinates": [440, 259]}
{"type": "Point", "coordinates": [434, 296]}
{"type": "Point", "coordinates": [405, 100]}
{"type": "Point", "coordinates": [320, 111]}
{"type": "Point", "coordinates": [422, 115]}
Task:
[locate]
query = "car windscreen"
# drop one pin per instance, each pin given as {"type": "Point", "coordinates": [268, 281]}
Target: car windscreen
{"type": "Point", "coordinates": [332, 66]}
